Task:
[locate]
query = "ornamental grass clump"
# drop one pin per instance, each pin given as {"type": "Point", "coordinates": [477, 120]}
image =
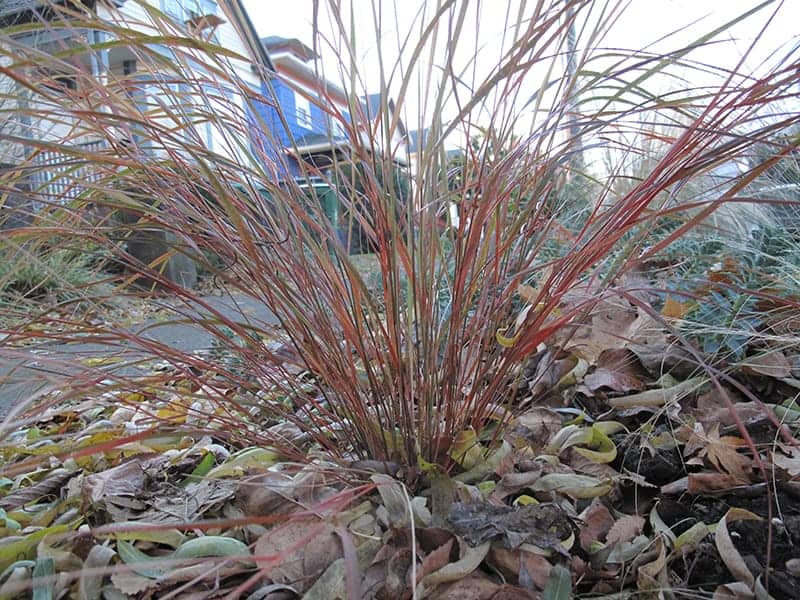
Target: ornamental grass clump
{"type": "Point", "coordinates": [476, 262]}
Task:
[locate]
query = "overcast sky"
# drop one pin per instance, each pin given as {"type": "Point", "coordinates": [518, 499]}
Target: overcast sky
{"type": "Point", "coordinates": [640, 26]}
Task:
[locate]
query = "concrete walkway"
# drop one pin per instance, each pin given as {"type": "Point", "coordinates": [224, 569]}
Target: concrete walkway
{"type": "Point", "coordinates": [28, 372]}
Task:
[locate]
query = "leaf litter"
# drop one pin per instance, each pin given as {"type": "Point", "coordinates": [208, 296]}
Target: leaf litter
{"type": "Point", "coordinates": [615, 478]}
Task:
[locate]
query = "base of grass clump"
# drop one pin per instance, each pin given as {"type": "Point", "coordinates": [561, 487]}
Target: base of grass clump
{"type": "Point", "coordinates": [197, 494]}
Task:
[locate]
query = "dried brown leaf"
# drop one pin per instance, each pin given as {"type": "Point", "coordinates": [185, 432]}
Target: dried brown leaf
{"type": "Point", "coordinates": [297, 552]}
{"type": "Point", "coordinates": [720, 451]}
{"type": "Point", "coordinates": [474, 587]}
{"type": "Point", "coordinates": [505, 561]}
{"type": "Point", "coordinates": [597, 522]}
{"type": "Point", "coordinates": [710, 482]}
{"type": "Point", "coordinates": [733, 591]}
{"type": "Point", "coordinates": [660, 356]}
{"type": "Point", "coordinates": [53, 482]}
{"type": "Point", "coordinates": [727, 551]}
{"type": "Point", "coordinates": [615, 323]}
{"type": "Point", "coordinates": [538, 425]}
{"type": "Point", "coordinates": [769, 364]}
{"type": "Point", "coordinates": [513, 483]}
{"type": "Point", "coordinates": [535, 570]}
{"type": "Point", "coordinates": [652, 576]}
{"type": "Point", "coordinates": [674, 309]}
{"type": "Point", "coordinates": [435, 560]}
{"type": "Point", "coordinates": [712, 408]}
{"type": "Point", "coordinates": [459, 570]}
{"type": "Point", "coordinates": [626, 528]}
{"type": "Point", "coordinates": [790, 463]}
{"type": "Point", "coordinates": [510, 592]}
{"type": "Point", "coordinates": [130, 583]}
{"type": "Point", "coordinates": [617, 369]}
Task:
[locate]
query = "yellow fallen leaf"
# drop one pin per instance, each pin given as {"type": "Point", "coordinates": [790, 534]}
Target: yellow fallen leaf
{"type": "Point", "coordinates": [673, 309]}
{"type": "Point", "coordinates": [101, 361]}
{"type": "Point", "coordinates": [466, 450]}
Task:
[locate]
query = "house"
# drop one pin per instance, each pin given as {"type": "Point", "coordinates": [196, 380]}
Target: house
{"type": "Point", "coordinates": [311, 121]}
{"type": "Point", "coordinates": [89, 70]}
{"type": "Point", "coordinates": [306, 120]}
{"type": "Point", "coordinates": [380, 112]}
{"type": "Point", "coordinates": [307, 124]}
{"type": "Point", "coordinates": [417, 142]}
{"type": "Point", "coordinates": [79, 101]}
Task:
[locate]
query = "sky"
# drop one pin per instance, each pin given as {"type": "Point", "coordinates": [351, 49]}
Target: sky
{"type": "Point", "coordinates": [642, 24]}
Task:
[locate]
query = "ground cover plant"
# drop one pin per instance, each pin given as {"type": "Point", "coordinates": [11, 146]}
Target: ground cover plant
{"type": "Point", "coordinates": [510, 398]}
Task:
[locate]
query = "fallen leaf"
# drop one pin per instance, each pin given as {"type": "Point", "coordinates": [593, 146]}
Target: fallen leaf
{"type": "Point", "coordinates": [559, 585]}
{"type": "Point", "coordinates": [491, 464]}
{"type": "Point", "coordinates": [131, 584]}
{"type": "Point", "coordinates": [297, 552]}
{"type": "Point", "coordinates": [708, 482]}
{"type": "Point", "coordinates": [91, 579]}
{"type": "Point", "coordinates": [576, 486]}
{"type": "Point", "coordinates": [626, 528]}
{"type": "Point", "coordinates": [513, 483]}
{"type": "Point", "coordinates": [534, 571]}
{"type": "Point", "coordinates": [770, 364]}
{"type": "Point", "coordinates": [52, 482]}
{"type": "Point", "coordinates": [659, 397]}
{"type": "Point", "coordinates": [614, 323]}
{"type": "Point", "coordinates": [734, 591]}
{"type": "Point", "coordinates": [618, 370]}
{"type": "Point", "coordinates": [244, 461]}
{"type": "Point", "coordinates": [662, 356]}
{"type": "Point", "coordinates": [332, 583]}
{"type": "Point", "coordinates": [117, 490]}
{"type": "Point", "coordinates": [537, 425]}
{"type": "Point", "coordinates": [690, 539]}
{"type": "Point", "coordinates": [466, 450]}
{"type": "Point", "coordinates": [652, 576]}
{"type": "Point", "coordinates": [626, 551]}
{"type": "Point", "coordinates": [727, 551]}
{"type": "Point", "coordinates": [435, 560]}
{"type": "Point", "coordinates": [720, 451]}
{"type": "Point", "coordinates": [395, 499]}
{"type": "Point", "coordinates": [712, 408]}
{"type": "Point", "coordinates": [597, 522]}
{"type": "Point", "coordinates": [470, 559]}
{"type": "Point", "coordinates": [674, 309]}
{"type": "Point", "coordinates": [791, 463]}
{"type": "Point", "coordinates": [473, 587]}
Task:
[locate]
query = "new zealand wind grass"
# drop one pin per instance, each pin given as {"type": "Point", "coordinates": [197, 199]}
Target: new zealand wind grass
{"type": "Point", "coordinates": [396, 371]}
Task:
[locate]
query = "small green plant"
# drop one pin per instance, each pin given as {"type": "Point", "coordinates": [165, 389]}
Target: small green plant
{"type": "Point", "coordinates": [32, 271]}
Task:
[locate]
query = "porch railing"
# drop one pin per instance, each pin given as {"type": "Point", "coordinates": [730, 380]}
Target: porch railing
{"type": "Point", "coordinates": [63, 176]}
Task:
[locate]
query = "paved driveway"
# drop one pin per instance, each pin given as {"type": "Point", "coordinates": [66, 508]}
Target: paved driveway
{"type": "Point", "coordinates": [25, 373]}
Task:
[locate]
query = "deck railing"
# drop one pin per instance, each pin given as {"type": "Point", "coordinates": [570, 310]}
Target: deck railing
{"type": "Point", "coordinates": [61, 176]}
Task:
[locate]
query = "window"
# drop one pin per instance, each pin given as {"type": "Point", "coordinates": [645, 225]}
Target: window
{"type": "Point", "coordinates": [338, 129]}
{"type": "Point", "coordinates": [185, 10]}
{"type": "Point", "coordinates": [55, 79]}
{"type": "Point", "coordinates": [200, 8]}
{"type": "Point", "coordinates": [302, 109]}
{"type": "Point", "coordinates": [173, 8]}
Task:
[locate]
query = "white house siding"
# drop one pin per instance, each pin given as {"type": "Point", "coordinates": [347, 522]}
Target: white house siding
{"type": "Point", "coordinates": [225, 101]}
{"type": "Point", "coordinates": [216, 97]}
{"type": "Point", "coordinates": [33, 126]}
